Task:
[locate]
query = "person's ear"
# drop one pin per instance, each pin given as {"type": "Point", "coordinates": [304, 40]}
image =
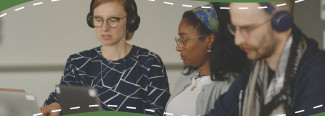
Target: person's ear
{"type": "Point", "coordinates": [211, 38]}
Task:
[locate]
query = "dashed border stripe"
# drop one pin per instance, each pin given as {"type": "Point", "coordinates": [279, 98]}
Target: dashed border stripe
{"type": "Point", "coordinates": [18, 9]}
{"type": "Point", "coordinates": [170, 114]}
{"type": "Point", "coordinates": [278, 5]}
{"type": "Point", "coordinates": [150, 110]}
{"type": "Point", "coordinates": [96, 105]}
{"type": "Point", "coordinates": [38, 114]}
{"type": "Point", "coordinates": [74, 108]}
{"type": "Point", "coordinates": [318, 106]}
{"type": "Point", "coordinates": [38, 3]}
{"type": "Point", "coordinates": [169, 3]}
{"type": "Point", "coordinates": [206, 7]}
{"type": "Point", "coordinates": [262, 7]}
{"type": "Point", "coordinates": [111, 105]}
{"type": "Point", "coordinates": [59, 110]}
{"type": "Point", "coordinates": [297, 1]}
{"type": "Point", "coordinates": [185, 5]}
{"type": "Point", "coordinates": [299, 111]}
{"type": "Point", "coordinates": [224, 7]}
{"type": "Point", "coordinates": [2, 15]}
{"type": "Point", "coordinates": [129, 107]}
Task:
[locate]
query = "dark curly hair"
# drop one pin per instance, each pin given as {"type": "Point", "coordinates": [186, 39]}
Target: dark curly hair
{"type": "Point", "coordinates": [225, 57]}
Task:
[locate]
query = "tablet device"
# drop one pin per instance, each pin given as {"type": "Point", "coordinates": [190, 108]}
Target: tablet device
{"type": "Point", "coordinates": [77, 99]}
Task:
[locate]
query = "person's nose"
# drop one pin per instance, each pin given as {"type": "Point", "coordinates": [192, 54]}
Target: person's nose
{"type": "Point", "coordinates": [105, 26]}
{"type": "Point", "coordinates": [239, 39]}
{"type": "Point", "coordinates": [180, 47]}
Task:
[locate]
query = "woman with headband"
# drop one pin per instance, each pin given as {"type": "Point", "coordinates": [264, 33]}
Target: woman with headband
{"type": "Point", "coordinates": [213, 61]}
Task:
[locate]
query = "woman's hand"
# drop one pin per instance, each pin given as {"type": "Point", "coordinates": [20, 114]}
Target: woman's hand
{"type": "Point", "coordinates": [47, 110]}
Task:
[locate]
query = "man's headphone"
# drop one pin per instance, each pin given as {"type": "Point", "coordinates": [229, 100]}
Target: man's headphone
{"type": "Point", "coordinates": [281, 21]}
{"type": "Point", "coordinates": [133, 19]}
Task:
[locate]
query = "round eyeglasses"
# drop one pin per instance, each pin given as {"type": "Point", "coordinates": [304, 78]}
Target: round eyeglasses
{"type": "Point", "coordinates": [244, 31]}
{"type": "Point", "coordinates": [111, 22]}
{"type": "Point", "coordinates": [184, 41]}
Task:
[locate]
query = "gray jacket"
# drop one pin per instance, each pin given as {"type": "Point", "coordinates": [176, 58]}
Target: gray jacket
{"type": "Point", "coordinates": [208, 95]}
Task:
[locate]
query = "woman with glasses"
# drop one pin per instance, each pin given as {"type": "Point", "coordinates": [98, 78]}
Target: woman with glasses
{"type": "Point", "coordinates": [128, 78]}
{"type": "Point", "coordinates": [211, 58]}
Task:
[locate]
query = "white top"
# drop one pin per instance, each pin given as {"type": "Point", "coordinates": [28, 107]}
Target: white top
{"type": "Point", "coordinates": [185, 102]}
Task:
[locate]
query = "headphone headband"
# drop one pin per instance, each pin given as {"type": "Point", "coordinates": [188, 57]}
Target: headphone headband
{"type": "Point", "coordinates": [281, 21]}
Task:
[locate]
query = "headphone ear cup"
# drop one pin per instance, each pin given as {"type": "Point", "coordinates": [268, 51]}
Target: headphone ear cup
{"type": "Point", "coordinates": [282, 21]}
{"type": "Point", "coordinates": [132, 23]}
{"type": "Point", "coordinates": [89, 21]}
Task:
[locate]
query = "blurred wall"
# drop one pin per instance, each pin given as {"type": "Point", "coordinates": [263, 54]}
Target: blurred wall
{"type": "Point", "coordinates": [36, 41]}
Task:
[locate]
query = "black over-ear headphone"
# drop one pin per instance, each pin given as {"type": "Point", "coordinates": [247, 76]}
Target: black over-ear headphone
{"type": "Point", "coordinates": [133, 19]}
{"type": "Point", "coordinates": [281, 21]}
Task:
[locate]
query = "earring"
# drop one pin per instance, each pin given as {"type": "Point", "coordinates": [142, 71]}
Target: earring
{"type": "Point", "coordinates": [209, 49]}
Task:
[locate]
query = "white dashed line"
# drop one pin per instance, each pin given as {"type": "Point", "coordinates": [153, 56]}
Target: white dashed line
{"type": "Point", "coordinates": [243, 8]}
{"type": "Point", "coordinates": [168, 113]}
{"type": "Point", "coordinates": [169, 3]}
{"type": "Point", "coordinates": [224, 8]}
{"type": "Point", "coordinates": [317, 106]}
{"type": "Point", "coordinates": [111, 105]}
{"type": "Point", "coordinates": [96, 105]}
{"type": "Point", "coordinates": [185, 5]}
{"type": "Point", "coordinates": [297, 1]}
{"type": "Point", "coordinates": [299, 111]}
{"type": "Point", "coordinates": [59, 110]}
{"type": "Point", "coordinates": [20, 8]}
{"type": "Point", "coordinates": [73, 108]}
{"type": "Point", "coordinates": [150, 110]}
{"type": "Point", "coordinates": [129, 107]}
{"type": "Point", "coordinates": [205, 6]}
{"type": "Point", "coordinates": [2, 15]}
{"type": "Point", "coordinates": [278, 5]}
{"type": "Point", "coordinates": [38, 3]}
{"type": "Point", "coordinates": [38, 114]}
{"type": "Point", "coordinates": [262, 7]}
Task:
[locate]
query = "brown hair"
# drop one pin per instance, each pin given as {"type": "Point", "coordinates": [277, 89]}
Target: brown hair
{"type": "Point", "coordinates": [96, 3]}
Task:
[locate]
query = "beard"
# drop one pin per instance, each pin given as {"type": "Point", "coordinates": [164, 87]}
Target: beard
{"type": "Point", "coordinates": [264, 50]}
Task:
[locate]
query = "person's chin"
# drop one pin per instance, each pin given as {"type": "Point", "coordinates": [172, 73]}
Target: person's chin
{"type": "Point", "coordinates": [252, 57]}
{"type": "Point", "coordinates": [107, 43]}
{"type": "Point", "coordinates": [185, 62]}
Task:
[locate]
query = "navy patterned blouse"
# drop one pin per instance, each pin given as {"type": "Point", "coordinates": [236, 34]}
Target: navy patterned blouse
{"type": "Point", "coordinates": [138, 80]}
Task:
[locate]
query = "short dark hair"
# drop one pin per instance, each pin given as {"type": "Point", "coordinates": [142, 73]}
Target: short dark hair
{"type": "Point", "coordinates": [225, 56]}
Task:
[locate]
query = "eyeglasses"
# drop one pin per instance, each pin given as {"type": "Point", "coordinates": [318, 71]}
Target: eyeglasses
{"type": "Point", "coordinates": [111, 22]}
{"type": "Point", "coordinates": [184, 41]}
{"type": "Point", "coordinates": [244, 31]}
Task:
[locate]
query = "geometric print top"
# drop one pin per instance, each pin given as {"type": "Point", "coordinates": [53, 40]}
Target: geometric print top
{"type": "Point", "coordinates": [138, 80]}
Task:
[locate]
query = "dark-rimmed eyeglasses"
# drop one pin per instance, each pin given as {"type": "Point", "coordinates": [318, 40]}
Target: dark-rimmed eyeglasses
{"type": "Point", "coordinates": [111, 22]}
